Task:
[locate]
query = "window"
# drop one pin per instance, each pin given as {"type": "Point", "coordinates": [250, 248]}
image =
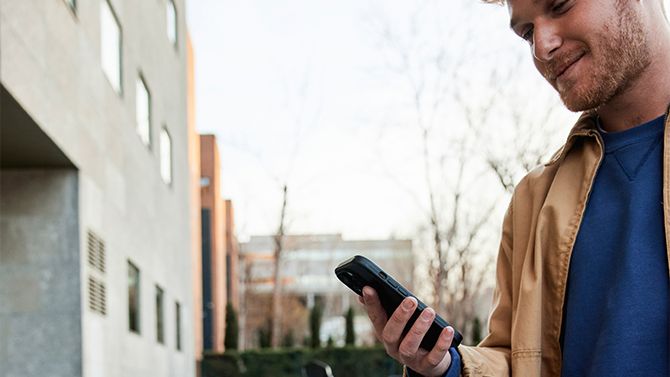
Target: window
{"type": "Point", "coordinates": [204, 181]}
{"type": "Point", "coordinates": [177, 311]}
{"type": "Point", "coordinates": [160, 333]}
{"type": "Point", "coordinates": [110, 45]}
{"type": "Point", "coordinates": [171, 22]}
{"type": "Point", "coordinates": [133, 298]}
{"type": "Point", "coordinates": [143, 111]}
{"type": "Point", "coordinates": [166, 156]}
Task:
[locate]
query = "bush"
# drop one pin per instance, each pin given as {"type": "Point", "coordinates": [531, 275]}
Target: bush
{"type": "Point", "coordinates": [345, 362]}
{"type": "Point", "coordinates": [315, 316]}
{"type": "Point", "coordinates": [232, 328]}
{"type": "Point", "coordinates": [350, 335]}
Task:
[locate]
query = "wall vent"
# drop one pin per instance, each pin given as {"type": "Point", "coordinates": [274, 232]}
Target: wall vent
{"type": "Point", "coordinates": [96, 252]}
{"type": "Point", "coordinates": [97, 296]}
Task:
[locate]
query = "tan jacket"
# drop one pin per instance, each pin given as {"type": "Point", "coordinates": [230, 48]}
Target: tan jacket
{"type": "Point", "coordinates": [539, 232]}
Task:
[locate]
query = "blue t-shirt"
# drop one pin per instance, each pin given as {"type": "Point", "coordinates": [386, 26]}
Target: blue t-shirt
{"type": "Point", "coordinates": [616, 305]}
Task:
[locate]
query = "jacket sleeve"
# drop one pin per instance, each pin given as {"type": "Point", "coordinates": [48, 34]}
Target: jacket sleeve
{"type": "Point", "coordinates": [491, 358]}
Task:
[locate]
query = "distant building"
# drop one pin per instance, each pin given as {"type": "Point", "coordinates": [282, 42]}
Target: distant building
{"type": "Point", "coordinates": [307, 273]}
{"type": "Point", "coordinates": [232, 256]}
{"type": "Point", "coordinates": [213, 220]}
{"type": "Point", "coordinates": [95, 247]}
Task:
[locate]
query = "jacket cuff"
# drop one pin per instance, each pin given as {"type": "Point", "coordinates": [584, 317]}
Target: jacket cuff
{"type": "Point", "coordinates": [454, 369]}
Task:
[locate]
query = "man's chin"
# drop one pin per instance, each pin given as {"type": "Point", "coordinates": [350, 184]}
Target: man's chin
{"type": "Point", "coordinates": [577, 102]}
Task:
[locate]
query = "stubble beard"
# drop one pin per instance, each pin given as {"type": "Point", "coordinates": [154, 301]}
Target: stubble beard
{"type": "Point", "coordinates": [619, 58]}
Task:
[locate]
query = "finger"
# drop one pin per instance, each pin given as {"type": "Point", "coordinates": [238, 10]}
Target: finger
{"type": "Point", "coordinates": [410, 344]}
{"type": "Point", "coordinates": [437, 355]}
{"type": "Point", "coordinates": [375, 310]}
{"type": "Point", "coordinates": [396, 324]}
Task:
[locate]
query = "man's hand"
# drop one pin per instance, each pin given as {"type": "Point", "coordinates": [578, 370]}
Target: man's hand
{"type": "Point", "coordinates": [406, 350]}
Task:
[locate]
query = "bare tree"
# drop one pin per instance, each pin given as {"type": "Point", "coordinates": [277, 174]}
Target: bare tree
{"type": "Point", "coordinates": [302, 116]}
{"type": "Point", "coordinates": [276, 290]}
{"type": "Point", "coordinates": [437, 71]}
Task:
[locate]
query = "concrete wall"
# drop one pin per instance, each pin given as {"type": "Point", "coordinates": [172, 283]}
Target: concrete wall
{"type": "Point", "coordinates": [50, 63]}
{"type": "Point", "coordinates": [194, 164]}
{"type": "Point", "coordinates": [39, 274]}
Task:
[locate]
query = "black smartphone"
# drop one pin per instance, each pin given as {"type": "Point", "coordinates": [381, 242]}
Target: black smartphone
{"type": "Point", "coordinates": [358, 272]}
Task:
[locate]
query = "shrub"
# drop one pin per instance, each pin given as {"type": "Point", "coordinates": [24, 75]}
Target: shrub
{"type": "Point", "coordinates": [232, 328]}
{"type": "Point", "coordinates": [345, 362]}
{"type": "Point", "coordinates": [350, 335]}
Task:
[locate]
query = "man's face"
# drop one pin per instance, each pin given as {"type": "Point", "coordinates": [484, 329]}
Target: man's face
{"type": "Point", "coordinates": [589, 50]}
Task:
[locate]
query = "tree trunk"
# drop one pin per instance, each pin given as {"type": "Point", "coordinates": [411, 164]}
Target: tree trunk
{"type": "Point", "coordinates": [275, 335]}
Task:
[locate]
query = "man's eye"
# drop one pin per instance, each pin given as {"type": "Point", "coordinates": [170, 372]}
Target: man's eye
{"type": "Point", "coordinates": [559, 6]}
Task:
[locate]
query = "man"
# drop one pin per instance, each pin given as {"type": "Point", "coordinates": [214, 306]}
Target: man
{"type": "Point", "coordinates": [582, 281]}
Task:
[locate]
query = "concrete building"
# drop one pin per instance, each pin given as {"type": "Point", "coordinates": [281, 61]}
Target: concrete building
{"type": "Point", "coordinates": [196, 230]}
{"type": "Point", "coordinates": [95, 247]}
{"type": "Point", "coordinates": [307, 273]}
{"type": "Point", "coordinates": [213, 219]}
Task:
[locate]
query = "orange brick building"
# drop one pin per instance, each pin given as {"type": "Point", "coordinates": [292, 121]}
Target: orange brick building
{"type": "Point", "coordinates": [213, 246]}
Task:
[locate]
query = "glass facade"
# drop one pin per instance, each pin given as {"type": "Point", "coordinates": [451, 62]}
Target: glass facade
{"type": "Point", "coordinates": [171, 22]}
{"type": "Point", "coordinates": [110, 45]}
{"type": "Point", "coordinates": [160, 329]}
{"type": "Point", "coordinates": [166, 156]}
{"type": "Point", "coordinates": [143, 111]}
{"type": "Point", "coordinates": [177, 311]}
{"type": "Point", "coordinates": [133, 298]}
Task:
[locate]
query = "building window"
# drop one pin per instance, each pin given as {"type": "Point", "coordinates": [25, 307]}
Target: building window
{"type": "Point", "coordinates": [110, 45]}
{"type": "Point", "coordinates": [166, 156]}
{"type": "Point", "coordinates": [143, 111]}
{"type": "Point", "coordinates": [160, 333]}
{"type": "Point", "coordinates": [204, 181]}
{"type": "Point", "coordinates": [177, 308]}
{"type": "Point", "coordinates": [171, 22]}
{"type": "Point", "coordinates": [133, 298]}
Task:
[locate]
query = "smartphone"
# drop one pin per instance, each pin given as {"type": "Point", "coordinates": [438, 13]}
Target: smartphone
{"type": "Point", "coordinates": [358, 272]}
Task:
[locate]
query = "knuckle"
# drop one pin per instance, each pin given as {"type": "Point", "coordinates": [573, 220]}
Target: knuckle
{"type": "Point", "coordinates": [387, 338]}
{"type": "Point", "coordinates": [418, 329]}
{"type": "Point", "coordinates": [433, 360]}
{"type": "Point", "coordinates": [398, 318]}
{"type": "Point", "coordinates": [406, 354]}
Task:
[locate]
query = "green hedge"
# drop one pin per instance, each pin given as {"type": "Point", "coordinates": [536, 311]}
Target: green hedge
{"type": "Point", "coordinates": [345, 362]}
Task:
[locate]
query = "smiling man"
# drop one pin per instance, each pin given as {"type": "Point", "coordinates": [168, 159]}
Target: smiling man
{"type": "Point", "coordinates": [582, 280]}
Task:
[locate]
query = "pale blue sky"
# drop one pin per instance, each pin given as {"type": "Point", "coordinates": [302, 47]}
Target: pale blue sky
{"type": "Point", "coordinates": [298, 91]}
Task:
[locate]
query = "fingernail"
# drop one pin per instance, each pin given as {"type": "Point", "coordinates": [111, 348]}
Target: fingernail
{"type": "Point", "coordinates": [408, 304]}
{"type": "Point", "coordinates": [427, 314]}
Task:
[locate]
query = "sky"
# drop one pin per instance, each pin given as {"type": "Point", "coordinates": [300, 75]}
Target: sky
{"type": "Point", "coordinates": [304, 93]}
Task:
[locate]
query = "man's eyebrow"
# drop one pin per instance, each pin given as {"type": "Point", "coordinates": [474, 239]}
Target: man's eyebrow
{"type": "Point", "coordinates": [514, 21]}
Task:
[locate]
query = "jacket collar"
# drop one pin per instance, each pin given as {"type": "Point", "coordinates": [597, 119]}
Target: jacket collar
{"type": "Point", "coordinates": [586, 125]}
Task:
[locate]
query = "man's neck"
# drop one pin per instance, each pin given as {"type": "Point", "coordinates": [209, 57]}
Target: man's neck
{"type": "Point", "coordinates": [646, 98]}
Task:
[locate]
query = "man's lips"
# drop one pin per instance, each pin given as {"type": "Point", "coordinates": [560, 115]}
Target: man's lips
{"type": "Point", "coordinates": [563, 65]}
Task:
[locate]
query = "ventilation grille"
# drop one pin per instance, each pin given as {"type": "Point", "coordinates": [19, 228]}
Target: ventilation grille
{"type": "Point", "coordinates": [96, 252]}
{"type": "Point", "coordinates": [97, 296]}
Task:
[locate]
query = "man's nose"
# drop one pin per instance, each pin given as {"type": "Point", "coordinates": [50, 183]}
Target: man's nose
{"type": "Point", "coordinates": [546, 41]}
